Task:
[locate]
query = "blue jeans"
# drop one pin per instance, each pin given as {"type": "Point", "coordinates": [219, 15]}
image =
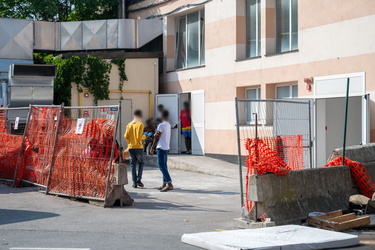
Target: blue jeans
{"type": "Point", "coordinates": [136, 156]}
{"type": "Point", "coordinates": [162, 162]}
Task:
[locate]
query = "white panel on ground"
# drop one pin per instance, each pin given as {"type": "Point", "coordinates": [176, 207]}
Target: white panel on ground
{"type": "Point", "coordinates": [197, 120]}
{"type": "Point", "coordinates": [170, 103]}
{"type": "Point", "coordinates": [281, 237]}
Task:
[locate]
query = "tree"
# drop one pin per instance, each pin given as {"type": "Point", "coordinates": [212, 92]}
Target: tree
{"type": "Point", "coordinates": [59, 10]}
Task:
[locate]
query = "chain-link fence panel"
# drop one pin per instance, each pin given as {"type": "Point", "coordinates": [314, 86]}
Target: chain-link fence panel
{"type": "Point", "coordinates": [273, 136]}
{"type": "Point", "coordinates": [38, 145]}
{"type": "Point", "coordinates": [84, 153]}
{"type": "Point", "coordinates": [12, 124]}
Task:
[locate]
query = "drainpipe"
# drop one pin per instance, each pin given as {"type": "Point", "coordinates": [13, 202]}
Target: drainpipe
{"type": "Point", "coordinates": [4, 93]}
{"type": "Point", "coordinates": [123, 9]}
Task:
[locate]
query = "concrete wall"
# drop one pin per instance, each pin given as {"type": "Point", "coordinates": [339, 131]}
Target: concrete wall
{"type": "Point", "coordinates": [335, 37]}
{"type": "Point", "coordinates": [288, 199]}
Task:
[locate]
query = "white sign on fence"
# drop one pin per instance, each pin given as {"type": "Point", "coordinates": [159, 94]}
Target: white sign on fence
{"type": "Point", "coordinates": [80, 125]}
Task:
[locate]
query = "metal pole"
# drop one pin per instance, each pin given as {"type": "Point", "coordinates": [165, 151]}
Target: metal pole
{"type": "Point", "coordinates": [256, 162]}
{"type": "Point", "coordinates": [110, 161]}
{"type": "Point", "coordinates": [123, 9]}
{"type": "Point", "coordinates": [21, 148]}
{"type": "Point", "coordinates": [239, 152]}
{"type": "Point", "coordinates": [54, 148]}
{"type": "Point", "coordinates": [120, 132]}
{"type": "Point", "coordinates": [310, 137]}
{"type": "Point", "coordinates": [345, 120]}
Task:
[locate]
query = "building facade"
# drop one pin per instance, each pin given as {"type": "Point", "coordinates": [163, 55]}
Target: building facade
{"type": "Point", "coordinates": [270, 49]}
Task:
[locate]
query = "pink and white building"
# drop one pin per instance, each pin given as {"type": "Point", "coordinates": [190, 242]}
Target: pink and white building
{"type": "Point", "coordinates": [216, 50]}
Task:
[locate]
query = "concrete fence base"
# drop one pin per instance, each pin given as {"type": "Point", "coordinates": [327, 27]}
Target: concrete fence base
{"type": "Point", "coordinates": [288, 199]}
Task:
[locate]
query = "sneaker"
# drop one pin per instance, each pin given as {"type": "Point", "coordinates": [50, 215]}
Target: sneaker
{"type": "Point", "coordinates": [167, 188]}
{"type": "Point", "coordinates": [140, 184]}
{"type": "Point", "coordinates": [134, 186]}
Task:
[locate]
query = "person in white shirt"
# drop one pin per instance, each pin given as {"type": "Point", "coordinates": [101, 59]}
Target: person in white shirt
{"type": "Point", "coordinates": [162, 142]}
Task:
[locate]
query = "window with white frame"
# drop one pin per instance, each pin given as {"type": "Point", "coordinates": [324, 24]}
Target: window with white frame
{"type": "Point", "coordinates": [286, 25]}
{"type": "Point", "coordinates": [190, 40]}
{"type": "Point", "coordinates": [287, 91]}
{"type": "Point", "coordinates": [252, 107]}
{"type": "Point", "coordinates": [252, 28]}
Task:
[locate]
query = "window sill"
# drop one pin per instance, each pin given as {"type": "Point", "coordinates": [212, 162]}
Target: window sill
{"type": "Point", "coordinates": [248, 59]}
{"type": "Point", "coordinates": [283, 53]}
{"type": "Point", "coordinates": [177, 70]}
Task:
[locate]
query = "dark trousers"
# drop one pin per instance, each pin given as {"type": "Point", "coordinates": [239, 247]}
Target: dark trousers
{"type": "Point", "coordinates": [136, 156]}
{"type": "Point", "coordinates": [162, 162]}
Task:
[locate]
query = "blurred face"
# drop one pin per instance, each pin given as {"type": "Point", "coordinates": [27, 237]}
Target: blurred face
{"type": "Point", "coordinates": [186, 106]}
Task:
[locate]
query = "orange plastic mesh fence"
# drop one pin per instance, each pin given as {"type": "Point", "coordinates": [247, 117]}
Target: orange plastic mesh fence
{"type": "Point", "coordinates": [359, 173]}
{"type": "Point", "coordinates": [83, 152]}
{"type": "Point", "coordinates": [277, 155]}
{"type": "Point", "coordinates": [40, 133]}
{"type": "Point", "coordinates": [9, 148]}
{"type": "Point", "coordinates": [3, 120]}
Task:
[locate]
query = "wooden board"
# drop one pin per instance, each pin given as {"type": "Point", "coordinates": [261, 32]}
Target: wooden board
{"type": "Point", "coordinates": [336, 221]}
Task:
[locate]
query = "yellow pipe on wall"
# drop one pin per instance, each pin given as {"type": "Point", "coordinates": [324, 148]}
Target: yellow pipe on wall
{"type": "Point", "coordinates": [122, 91]}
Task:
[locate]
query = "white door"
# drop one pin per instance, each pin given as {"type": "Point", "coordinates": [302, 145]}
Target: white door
{"type": "Point", "coordinates": [197, 120]}
{"type": "Point", "coordinates": [170, 103]}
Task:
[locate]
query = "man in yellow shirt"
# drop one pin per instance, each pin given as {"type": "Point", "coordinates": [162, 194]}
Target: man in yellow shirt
{"type": "Point", "coordinates": [134, 136]}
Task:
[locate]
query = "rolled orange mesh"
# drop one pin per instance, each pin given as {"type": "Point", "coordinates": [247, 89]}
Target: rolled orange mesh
{"type": "Point", "coordinates": [277, 155]}
{"type": "Point", "coordinates": [360, 175]}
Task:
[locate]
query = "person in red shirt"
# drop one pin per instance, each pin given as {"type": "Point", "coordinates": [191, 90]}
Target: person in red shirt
{"type": "Point", "coordinates": [185, 117]}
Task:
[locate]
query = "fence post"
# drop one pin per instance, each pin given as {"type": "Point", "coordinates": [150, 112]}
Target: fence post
{"type": "Point", "coordinates": [111, 158]}
{"type": "Point", "coordinates": [310, 137]}
{"type": "Point", "coordinates": [239, 152]}
{"type": "Point", "coordinates": [345, 120]}
{"type": "Point", "coordinates": [54, 147]}
{"type": "Point", "coordinates": [22, 145]}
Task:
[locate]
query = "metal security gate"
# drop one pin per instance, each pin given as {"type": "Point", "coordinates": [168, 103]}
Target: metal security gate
{"type": "Point", "coordinates": [273, 136]}
{"type": "Point", "coordinates": [68, 151]}
{"type": "Point", "coordinates": [12, 127]}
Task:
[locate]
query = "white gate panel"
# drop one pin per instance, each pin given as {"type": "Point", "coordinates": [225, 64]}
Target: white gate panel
{"type": "Point", "coordinates": [170, 103]}
{"type": "Point", "coordinates": [197, 120]}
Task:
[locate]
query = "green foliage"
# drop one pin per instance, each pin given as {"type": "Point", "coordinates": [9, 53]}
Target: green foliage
{"type": "Point", "coordinates": [59, 10]}
{"type": "Point", "coordinates": [120, 62]}
{"type": "Point", "coordinates": [96, 78]}
{"type": "Point", "coordinates": [87, 72]}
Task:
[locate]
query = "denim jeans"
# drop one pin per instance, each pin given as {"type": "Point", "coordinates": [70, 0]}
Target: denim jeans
{"type": "Point", "coordinates": [162, 162]}
{"type": "Point", "coordinates": [136, 156]}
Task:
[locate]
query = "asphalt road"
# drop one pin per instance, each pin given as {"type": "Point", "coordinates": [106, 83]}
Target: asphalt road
{"type": "Point", "coordinates": [200, 202]}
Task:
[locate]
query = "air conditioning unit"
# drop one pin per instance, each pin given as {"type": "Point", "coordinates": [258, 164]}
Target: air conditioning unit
{"type": "Point", "coordinates": [30, 84]}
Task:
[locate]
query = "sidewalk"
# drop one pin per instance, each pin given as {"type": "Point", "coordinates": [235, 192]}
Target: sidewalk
{"type": "Point", "coordinates": [199, 164]}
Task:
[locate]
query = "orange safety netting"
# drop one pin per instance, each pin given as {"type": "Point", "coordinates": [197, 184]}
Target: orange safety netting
{"type": "Point", "coordinates": [40, 135]}
{"type": "Point", "coordinates": [359, 173]}
{"type": "Point", "coordinates": [82, 161]}
{"type": "Point", "coordinates": [9, 148]}
{"type": "Point", "coordinates": [277, 155]}
{"type": "Point", "coordinates": [3, 120]}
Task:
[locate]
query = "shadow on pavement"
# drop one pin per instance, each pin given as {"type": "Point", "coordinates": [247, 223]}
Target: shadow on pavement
{"type": "Point", "coordinates": [9, 216]}
{"type": "Point", "coordinates": [145, 201]}
{"type": "Point", "coordinates": [6, 189]}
